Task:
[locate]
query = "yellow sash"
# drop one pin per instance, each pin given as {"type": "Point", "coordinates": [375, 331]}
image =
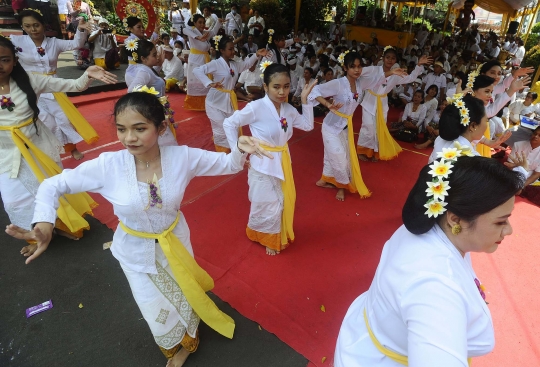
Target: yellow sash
{"type": "Point", "coordinates": [206, 58]}
{"type": "Point", "coordinates": [234, 103]}
{"type": "Point", "coordinates": [192, 279]}
{"type": "Point", "coordinates": [289, 193]}
{"type": "Point", "coordinates": [396, 357]}
{"type": "Point", "coordinates": [72, 206]}
{"type": "Point", "coordinates": [85, 130]}
{"type": "Point", "coordinates": [388, 147]}
{"type": "Point", "coordinates": [483, 149]}
{"type": "Point", "coordinates": [356, 175]}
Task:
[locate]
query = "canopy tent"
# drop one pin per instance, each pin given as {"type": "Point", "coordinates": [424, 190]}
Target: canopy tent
{"type": "Point", "coordinates": [496, 6]}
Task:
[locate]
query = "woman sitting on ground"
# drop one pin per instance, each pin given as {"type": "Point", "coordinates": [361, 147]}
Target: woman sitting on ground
{"type": "Point", "coordinates": [426, 306]}
{"type": "Point", "coordinates": [432, 128]}
{"type": "Point", "coordinates": [413, 116]}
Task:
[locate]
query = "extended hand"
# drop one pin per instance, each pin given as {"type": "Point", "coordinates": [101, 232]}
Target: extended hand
{"type": "Point", "coordinates": [519, 84]}
{"type": "Point", "coordinates": [425, 60]}
{"type": "Point", "coordinates": [97, 72]}
{"type": "Point", "coordinates": [306, 91]}
{"type": "Point", "coordinates": [252, 145]}
{"type": "Point", "coordinates": [262, 52]}
{"type": "Point", "coordinates": [335, 106]}
{"type": "Point", "coordinates": [205, 36]}
{"type": "Point", "coordinates": [517, 160]}
{"type": "Point", "coordinates": [42, 234]}
{"type": "Point", "coordinates": [217, 85]}
{"type": "Point", "coordinates": [400, 72]}
{"type": "Point", "coordinates": [522, 71]}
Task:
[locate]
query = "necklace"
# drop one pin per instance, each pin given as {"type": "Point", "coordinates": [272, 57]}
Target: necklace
{"type": "Point", "coordinates": [147, 163]}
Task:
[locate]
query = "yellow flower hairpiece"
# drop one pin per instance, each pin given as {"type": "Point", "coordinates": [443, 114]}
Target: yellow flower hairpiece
{"type": "Point", "coordinates": [134, 56]}
{"type": "Point", "coordinates": [270, 34]}
{"type": "Point", "coordinates": [145, 89]}
{"type": "Point", "coordinates": [457, 100]}
{"type": "Point", "coordinates": [472, 78]}
{"type": "Point", "coordinates": [34, 10]}
{"type": "Point", "coordinates": [341, 57]}
{"type": "Point", "coordinates": [387, 48]}
{"type": "Point", "coordinates": [216, 40]}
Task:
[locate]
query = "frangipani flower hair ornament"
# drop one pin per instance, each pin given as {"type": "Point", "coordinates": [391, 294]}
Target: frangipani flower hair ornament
{"type": "Point", "coordinates": [472, 77]}
{"type": "Point", "coordinates": [341, 57]}
{"type": "Point", "coordinates": [270, 34]}
{"type": "Point", "coordinates": [132, 45]}
{"type": "Point", "coordinates": [264, 65]}
{"type": "Point", "coordinates": [457, 100]}
{"type": "Point", "coordinates": [34, 10]}
{"type": "Point", "coordinates": [216, 40]}
{"type": "Point", "coordinates": [387, 48]}
{"type": "Point", "coordinates": [437, 188]}
{"type": "Point", "coordinates": [145, 89]}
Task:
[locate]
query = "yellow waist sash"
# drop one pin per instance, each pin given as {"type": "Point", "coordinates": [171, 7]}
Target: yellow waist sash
{"type": "Point", "coordinates": [484, 150]}
{"type": "Point", "coordinates": [234, 103]}
{"type": "Point", "coordinates": [356, 175]}
{"type": "Point", "coordinates": [78, 121]}
{"type": "Point", "coordinates": [192, 279]}
{"type": "Point", "coordinates": [199, 52]}
{"type": "Point", "coordinates": [396, 357]}
{"type": "Point", "coordinates": [72, 206]}
{"type": "Point", "coordinates": [388, 147]}
{"type": "Point", "coordinates": [289, 193]}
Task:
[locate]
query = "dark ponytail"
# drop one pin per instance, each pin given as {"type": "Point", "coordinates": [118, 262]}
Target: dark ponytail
{"type": "Point", "coordinates": [488, 65]}
{"type": "Point", "coordinates": [477, 186]}
{"type": "Point", "coordinates": [450, 127]}
{"type": "Point", "coordinates": [191, 22]}
{"type": "Point", "coordinates": [272, 46]}
{"type": "Point", "coordinates": [144, 48]}
{"type": "Point", "coordinates": [19, 75]}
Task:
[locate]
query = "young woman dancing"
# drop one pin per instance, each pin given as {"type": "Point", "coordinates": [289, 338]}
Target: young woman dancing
{"type": "Point", "coordinates": [271, 184]}
{"type": "Point", "coordinates": [221, 100]}
{"type": "Point", "coordinates": [341, 169]}
{"type": "Point", "coordinates": [38, 54]}
{"type": "Point", "coordinates": [145, 183]}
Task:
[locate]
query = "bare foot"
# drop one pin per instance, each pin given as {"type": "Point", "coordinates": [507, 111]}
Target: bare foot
{"type": "Point", "coordinates": [77, 155]}
{"type": "Point", "coordinates": [340, 195]}
{"type": "Point", "coordinates": [374, 159]}
{"type": "Point", "coordinates": [179, 358]}
{"type": "Point", "coordinates": [66, 234]}
{"type": "Point", "coordinates": [363, 158]}
{"type": "Point", "coordinates": [424, 145]}
{"type": "Point", "coordinates": [28, 250]}
{"type": "Point", "coordinates": [322, 183]}
{"type": "Point", "coordinates": [271, 252]}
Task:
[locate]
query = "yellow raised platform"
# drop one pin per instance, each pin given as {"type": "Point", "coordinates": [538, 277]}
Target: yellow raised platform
{"type": "Point", "coordinates": [386, 37]}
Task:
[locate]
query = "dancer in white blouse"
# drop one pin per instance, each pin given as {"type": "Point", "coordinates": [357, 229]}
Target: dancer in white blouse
{"type": "Point", "coordinates": [143, 74]}
{"type": "Point", "coordinates": [341, 169]}
{"type": "Point", "coordinates": [136, 28]}
{"type": "Point", "coordinates": [374, 140]}
{"type": "Point", "coordinates": [271, 184]}
{"type": "Point", "coordinates": [145, 183]}
{"type": "Point", "coordinates": [426, 306]}
{"type": "Point", "coordinates": [29, 152]}
{"type": "Point", "coordinates": [221, 100]}
{"type": "Point", "coordinates": [198, 55]}
{"type": "Point", "coordinates": [39, 54]}
{"type": "Point", "coordinates": [276, 45]}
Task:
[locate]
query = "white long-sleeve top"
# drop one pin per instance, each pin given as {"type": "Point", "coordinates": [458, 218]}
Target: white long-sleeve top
{"type": "Point", "coordinates": [272, 55]}
{"type": "Point", "coordinates": [503, 85]}
{"type": "Point", "coordinates": [498, 104]}
{"type": "Point", "coordinates": [533, 157]}
{"type": "Point", "coordinates": [31, 60]}
{"type": "Point", "coordinates": [518, 108]}
{"type": "Point", "coordinates": [301, 85]}
{"type": "Point", "coordinates": [113, 175]}
{"type": "Point", "coordinates": [369, 103]}
{"type": "Point", "coordinates": [145, 75]}
{"type": "Point", "coordinates": [173, 68]}
{"type": "Point", "coordinates": [440, 143]}
{"type": "Point", "coordinates": [222, 72]}
{"type": "Point", "coordinates": [340, 90]}
{"type": "Point", "coordinates": [10, 156]}
{"type": "Point", "coordinates": [431, 109]}
{"type": "Point", "coordinates": [418, 116]}
{"type": "Point", "coordinates": [264, 122]}
{"type": "Point", "coordinates": [233, 21]}
{"type": "Point", "coordinates": [254, 20]}
{"type": "Point", "coordinates": [423, 303]}
{"type": "Point", "coordinates": [203, 46]}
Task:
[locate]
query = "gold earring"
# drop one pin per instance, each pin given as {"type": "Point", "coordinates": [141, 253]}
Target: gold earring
{"type": "Point", "coordinates": [456, 229]}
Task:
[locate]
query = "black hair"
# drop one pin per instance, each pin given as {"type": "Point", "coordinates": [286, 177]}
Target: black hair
{"type": "Point", "coordinates": [210, 9]}
{"type": "Point", "coordinates": [222, 44]}
{"type": "Point", "coordinates": [19, 75]}
{"type": "Point", "coordinates": [534, 95]}
{"type": "Point", "coordinates": [165, 35]}
{"type": "Point", "coordinates": [461, 75]}
{"type": "Point", "coordinates": [272, 46]}
{"type": "Point", "coordinates": [450, 127]}
{"type": "Point", "coordinates": [350, 58]}
{"type": "Point", "coordinates": [488, 65]}
{"type": "Point", "coordinates": [194, 19]}
{"type": "Point", "coordinates": [482, 81]}
{"type": "Point", "coordinates": [30, 13]}
{"type": "Point", "coordinates": [143, 103]}
{"type": "Point", "coordinates": [144, 48]}
{"type": "Point", "coordinates": [274, 69]}
{"type": "Point", "coordinates": [328, 70]}
{"type": "Point", "coordinates": [391, 50]}
{"type": "Point", "coordinates": [421, 92]}
{"type": "Point", "coordinates": [179, 43]}
{"type": "Point", "coordinates": [133, 21]}
{"type": "Point", "coordinates": [477, 186]}
{"type": "Point", "coordinates": [431, 87]}
{"type": "Point", "coordinates": [310, 71]}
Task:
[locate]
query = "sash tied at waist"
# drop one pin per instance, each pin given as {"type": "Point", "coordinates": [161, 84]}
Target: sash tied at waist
{"type": "Point", "coordinates": [192, 279]}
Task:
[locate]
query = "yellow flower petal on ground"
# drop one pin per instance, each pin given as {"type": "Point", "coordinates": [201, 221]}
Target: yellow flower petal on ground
{"type": "Point", "coordinates": [323, 309]}
{"type": "Point", "coordinates": [81, 305]}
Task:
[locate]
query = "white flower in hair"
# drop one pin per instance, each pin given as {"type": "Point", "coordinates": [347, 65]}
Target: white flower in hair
{"type": "Point", "coordinates": [270, 32]}
{"type": "Point", "coordinates": [265, 64]}
{"type": "Point", "coordinates": [387, 48]}
{"type": "Point", "coordinates": [131, 45]}
{"type": "Point", "coordinates": [465, 150]}
{"type": "Point", "coordinates": [438, 189]}
{"type": "Point", "coordinates": [216, 40]}
{"type": "Point", "coordinates": [435, 208]}
{"type": "Point", "coordinates": [341, 57]}
{"type": "Point", "coordinates": [440, 169]}
{"type": "Point", "coordinates": [450, 154]}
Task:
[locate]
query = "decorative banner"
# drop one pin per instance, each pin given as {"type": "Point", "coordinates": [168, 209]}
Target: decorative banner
{"type": "Point", "coordinates": [141, 9]}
